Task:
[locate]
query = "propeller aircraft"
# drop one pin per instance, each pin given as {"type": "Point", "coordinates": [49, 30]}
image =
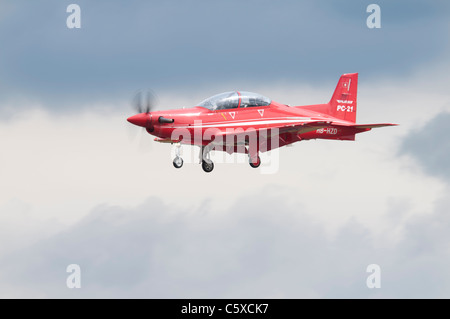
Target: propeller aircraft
{"type": "Point", "coordinates": [249, 123]}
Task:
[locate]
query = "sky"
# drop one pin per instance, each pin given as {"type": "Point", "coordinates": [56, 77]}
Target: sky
{"type": "Point", "coordinates": [80, 185]}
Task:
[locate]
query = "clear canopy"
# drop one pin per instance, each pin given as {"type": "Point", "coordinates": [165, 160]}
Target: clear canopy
{"type": "Point", "coordinates": [231, 100]}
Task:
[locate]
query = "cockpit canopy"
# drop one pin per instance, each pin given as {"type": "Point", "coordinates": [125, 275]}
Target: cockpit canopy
{"type": "Point", "coordinates": [231, 100]}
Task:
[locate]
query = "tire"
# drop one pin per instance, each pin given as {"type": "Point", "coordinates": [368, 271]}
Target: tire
{"type": "Point", "coordinates": [207, 166]}
{"type": "Point", "coordinates": [177, 162]}
{"type": "Point", "coordinates": [254, 165]}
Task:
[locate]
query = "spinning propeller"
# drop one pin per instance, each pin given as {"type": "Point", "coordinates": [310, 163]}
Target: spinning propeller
{"type": "Point", "coordinates": [144, 106]}
{"type": "Point", "coordinates": [143, 103]}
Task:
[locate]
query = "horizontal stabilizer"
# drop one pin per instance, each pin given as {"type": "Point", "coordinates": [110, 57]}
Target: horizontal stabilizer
{"type": "Point", "coordinates": [364, 126]}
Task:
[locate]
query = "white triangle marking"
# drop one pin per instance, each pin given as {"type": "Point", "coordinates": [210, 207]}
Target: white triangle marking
{"type": "Point", "coordinates": [261, 112]}
{"type": "Point", "coordinates": [232, 114]}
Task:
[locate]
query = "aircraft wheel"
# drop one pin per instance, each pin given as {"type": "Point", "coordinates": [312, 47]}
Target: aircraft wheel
{"type": "Point", "coordinates": [255, 165]}
{"type": "Point", "coordinates": [178, 162]}
{"type": "Point", "coordinates": [207, 166]}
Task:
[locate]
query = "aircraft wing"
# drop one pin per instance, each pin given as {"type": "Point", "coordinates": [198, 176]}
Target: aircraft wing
{"type": "Point", "coordinates": [288, 133]}
{"type": "Point", "coordinates": [304, 127]}
{"type": "Point", "coordinates": [284, 133]}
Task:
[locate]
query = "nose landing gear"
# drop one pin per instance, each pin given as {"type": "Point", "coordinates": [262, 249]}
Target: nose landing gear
{"type": "Point", "coordinates": [178, 161]}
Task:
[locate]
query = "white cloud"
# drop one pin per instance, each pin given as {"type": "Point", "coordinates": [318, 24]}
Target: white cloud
{"type": "Point", "coordinates": [64, 165]}
{"type": "Point", "coordinates": [332, 208]}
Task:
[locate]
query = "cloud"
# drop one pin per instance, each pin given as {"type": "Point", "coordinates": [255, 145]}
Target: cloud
{"type": "Point", "coordinates": [430, 146]}
{"type": "Point", "coordinates": [263, 246]}
{"type": "Point", "coordinates": [158, 252]}
{"type": "Point", "coordinates": [86, 159]}
{"type": "Point", "coordinates": [75, 187]}
{"type": "Point", "coordinates": [175, 45]}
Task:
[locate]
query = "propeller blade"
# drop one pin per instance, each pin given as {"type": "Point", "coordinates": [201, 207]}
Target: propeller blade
{"type": "Point", "coordinates": [144, 101]}
{"type": "Point", "coordinates": [137, 102]}
{"type": "Point", "coordinates": [148, 106]}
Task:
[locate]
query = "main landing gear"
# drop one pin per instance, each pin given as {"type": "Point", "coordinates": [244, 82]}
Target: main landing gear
{"type": "Point", "coordinates": [254, 164]}
{"type": "Point", "coordinates": [207, 166]}
{"type": "Point", "coordinates": [205, 159]}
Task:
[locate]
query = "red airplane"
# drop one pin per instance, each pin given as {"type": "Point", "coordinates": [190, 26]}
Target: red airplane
{"type": "Point", "coordinates": [249, 123]}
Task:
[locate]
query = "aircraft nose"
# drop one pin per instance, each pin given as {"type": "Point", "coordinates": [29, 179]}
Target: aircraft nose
{"type": "Point", "coordinates": [139, 119]}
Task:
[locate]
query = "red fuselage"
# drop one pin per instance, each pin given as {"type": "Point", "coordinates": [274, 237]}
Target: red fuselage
{"type": "Point", "coordinates": [197, 120]}
{"type": "Point", "coordinates": [245, 122]}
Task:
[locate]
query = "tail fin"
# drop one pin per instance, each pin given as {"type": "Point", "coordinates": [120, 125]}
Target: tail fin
{"type": "Point", "coordinates": [343, 102]}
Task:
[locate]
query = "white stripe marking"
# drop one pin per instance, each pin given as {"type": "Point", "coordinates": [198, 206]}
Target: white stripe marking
{"type": "Point", "coordinates": [249, 123]}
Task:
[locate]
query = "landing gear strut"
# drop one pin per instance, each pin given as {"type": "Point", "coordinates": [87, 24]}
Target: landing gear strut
{"type": "Point", "coordinates": [177, 161]}
{"type": "Point", "coordinates": [207, 164]}
{"type": "Point", "coordinates": [253, 157]}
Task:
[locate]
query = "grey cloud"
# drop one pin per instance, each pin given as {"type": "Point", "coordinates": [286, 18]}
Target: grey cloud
{"type": "Point", "coordinates": [422, 258]}
{"type": "Point", "coordinates": [263, 246]}
{"type": "Point", "coordinates": [430, 145]}
{"type": "Point", "coordinates": [176, 44]}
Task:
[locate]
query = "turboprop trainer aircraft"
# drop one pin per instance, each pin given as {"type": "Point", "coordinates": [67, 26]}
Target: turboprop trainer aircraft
{"type": "Point", "coordinates": [249, 123]}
